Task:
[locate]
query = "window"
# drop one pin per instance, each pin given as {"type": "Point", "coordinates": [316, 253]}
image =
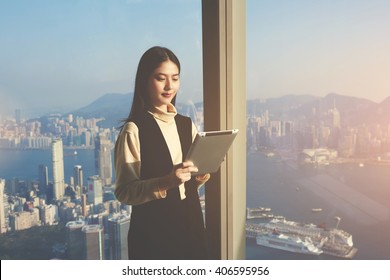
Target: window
{"type": "Point", "coordinates": [67, 72]}
{"type": "Point", "coordinates": [317, 131]}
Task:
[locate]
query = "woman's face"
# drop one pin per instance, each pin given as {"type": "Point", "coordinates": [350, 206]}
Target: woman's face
{"type": "Point", "coordinates": [163, 84]}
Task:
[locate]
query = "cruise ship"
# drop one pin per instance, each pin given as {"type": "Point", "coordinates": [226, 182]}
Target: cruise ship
{"type": "Point", "coordinates": [289, 243]}
{"type": "Point", "coordinates": [330, 241]}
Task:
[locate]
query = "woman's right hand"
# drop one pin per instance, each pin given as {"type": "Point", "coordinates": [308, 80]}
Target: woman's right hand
{"type": "Point", "coordinates": [180, 174]}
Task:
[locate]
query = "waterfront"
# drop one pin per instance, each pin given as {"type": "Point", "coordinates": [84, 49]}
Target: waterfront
{"type": "Point", "coordinates": [23, 164]}
{"type": "Point", "coordinates": [358, 195]}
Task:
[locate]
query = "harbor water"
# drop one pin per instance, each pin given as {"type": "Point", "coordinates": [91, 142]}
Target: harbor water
{"type": "Point", "coordinates": [359, 195]}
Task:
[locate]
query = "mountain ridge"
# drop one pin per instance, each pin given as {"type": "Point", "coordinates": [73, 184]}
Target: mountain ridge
{"type": "Point", "coordinates": [114, 107]}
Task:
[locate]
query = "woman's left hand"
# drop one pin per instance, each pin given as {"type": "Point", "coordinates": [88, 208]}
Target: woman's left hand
{"type": "Point", "coordinates": [201, 179]}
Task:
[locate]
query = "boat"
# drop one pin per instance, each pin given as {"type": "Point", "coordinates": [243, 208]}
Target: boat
{"type": "Point", "coordinates": [330, 241]}
{"type": "Point", "coordinates": [289, 243]}
{"type": "Point", "coordinates": [259, 212]}
{"type": "Point", "coordinates": [71, 154]}
{"type": "Point", "coordinates": [316, 210]}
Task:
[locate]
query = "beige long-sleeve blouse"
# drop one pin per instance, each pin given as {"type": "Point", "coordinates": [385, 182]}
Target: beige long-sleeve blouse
{"type": "Point", "coordinates": [130, 189]}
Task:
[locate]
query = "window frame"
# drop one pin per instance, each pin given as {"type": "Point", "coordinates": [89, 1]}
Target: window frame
{"type": "Point", "coordinates": [224, 95]}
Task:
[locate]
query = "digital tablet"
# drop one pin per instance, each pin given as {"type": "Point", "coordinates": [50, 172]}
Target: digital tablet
{"type": "Point", "coordinates": [209, 149]}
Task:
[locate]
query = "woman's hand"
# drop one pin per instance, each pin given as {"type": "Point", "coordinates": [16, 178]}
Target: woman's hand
{"type": "Point", "coordinates": [202, 179]}
{"type": "Point", "coordinates": [180, 174]}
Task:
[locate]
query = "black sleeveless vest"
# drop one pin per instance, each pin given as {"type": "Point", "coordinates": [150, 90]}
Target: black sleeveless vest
{"type": "Point", "coordinates": [167, 228]}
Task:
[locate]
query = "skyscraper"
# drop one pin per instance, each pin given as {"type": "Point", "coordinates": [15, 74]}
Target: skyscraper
{"type": "Point", "coordinates": [48, 214]}
{"type": "Point", "coordinates": [58, 169]}
{"type": "Point", "coordinates": [336, 119]}
{"type": "Point", "coordinates": [118, 228]}
{"type": "Point", "coordinates": [95, 190]}
{"type": "Point", "coordinates": [74, 238]}
{"type": "Point", "coordinates": [3, 227]}
{"type": "Point", "coordinates": [103, 162]}
{"type": "Point", "coordinates": [84, 204]}
{"type": "Point", "coordinates": [78, 178]}
{"type": "Point", "coordinates": [43, 178]}
{"type": "Point", "coordinates": [93, 237]}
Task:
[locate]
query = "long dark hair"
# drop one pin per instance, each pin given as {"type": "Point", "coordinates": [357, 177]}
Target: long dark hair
{"type": "Point", "coordinates": [149, 61]}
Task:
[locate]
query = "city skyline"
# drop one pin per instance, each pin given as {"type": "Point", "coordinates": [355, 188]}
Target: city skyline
{"type": "Point", "coordinates": [312, 136]}
{"type": "Point", "coordinates": [67, 54]}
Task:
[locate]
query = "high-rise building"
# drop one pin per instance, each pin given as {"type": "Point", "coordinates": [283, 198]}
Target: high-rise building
{"type": "Point", "coordinates": [70, 118]}
{"type": "Point", "coordinates": [118, 227]}
{"type": "Point", "coordinates": [74, 238]}
{"type": "Point", "coordinates": [84, 205]}
{"type": "Point", "coordinates": [48, 214]}
{"type": "Point", "coordinates": [103, 162]}
{"type": "Point", "coordinates": [24, 220]}
{"type": "Point", "coordinates": [288, 133]}
{"type": "Point", "coordinates": [3, 226]}
{"type": "Point", "coordinates": [13, 186]}
{"type": "Point", "coordinates": [93, 242]}
{"type": "Point", "coordinates": [86, 138]}
{"type": "Point", "coordinates": [336, 119]}
{"type": "Point", "coordinates": [58, 169]}
{"type": "Point", "coordinates": [95, 190]}
{"type": "Point", "coordinates": [97, 219]}
{"type": "Point", "coordinates": [43, 178]}
{"type": "Point", "coordinates": [78, 178]}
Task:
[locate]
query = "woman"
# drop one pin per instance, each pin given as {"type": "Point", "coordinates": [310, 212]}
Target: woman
{"type": "Point", "coordinates": [166, 220]}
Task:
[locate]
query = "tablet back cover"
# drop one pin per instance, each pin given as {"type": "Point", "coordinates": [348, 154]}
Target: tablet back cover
{"type": "Point", "coordinates": [209, 150]}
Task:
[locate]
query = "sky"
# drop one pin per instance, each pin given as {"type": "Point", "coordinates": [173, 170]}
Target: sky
{"type": "Point", "coordinates": [65, 54]}
{"type": "Point", "coordinates": [318, 47]}
{"type": "Point", "coordinates": [62, 55]}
